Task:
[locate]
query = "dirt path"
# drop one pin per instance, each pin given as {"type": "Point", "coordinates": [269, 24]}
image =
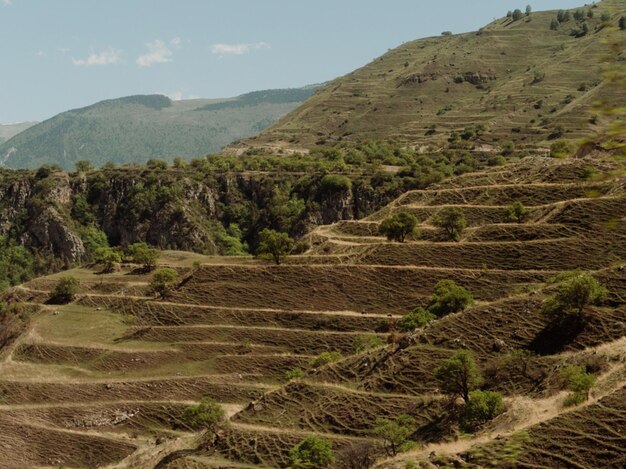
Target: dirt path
{"type": "Point", "coordinates": [524, 412]}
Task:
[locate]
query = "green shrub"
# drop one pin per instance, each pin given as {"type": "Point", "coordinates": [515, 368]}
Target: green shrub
{"type": "Point", "coordinates": [482, 407]}
{"type": "Point", "coordinates": [419, 317]}
{"type": "Point", "coordinates": [107, 258]}
{"type": "Point", "coordinates": [517, 212]}
{"type": "Point", "coordinates": [294, 373]}
{"type": "Point", "coordinates": [395, 433]}
{"type": "Point", "coordinates": [574, 399]}
{"type": "Point", "coordinates": [448, 298]}
{"type": "Point", "coordinates": [207, 415]}
{"type": "Point", "coordinates": [274, 244]}
{"type": "Point", "coordinates": [517, 14]}
{"type": "Point", "coordinates": [164, 281]}
{"type": "Point", "coordinates": [560, 149]}
{"type": "Point", "coordinates": [325, 358]}
{"type": "Point", "coordinates": [452, 221]}
{"type": "Point", "coordinates": [398, 226]}
{"type": "Point", "coordinates": [65, 290]}
{"type": "Point", "coordinates": [142, 253]}
{"type": "Point", "coordinates": [367, 342]}
{"type": "Point", "coordinates": [311, 453]}
{"type": "Point", "coordinates": [17, 264]}
{"type": "Point", "coordinates": [459, 375]}
{"type": "Point", "coordinates": [575, 293]}
{"type": "Point", "coordinates": [579, 382]}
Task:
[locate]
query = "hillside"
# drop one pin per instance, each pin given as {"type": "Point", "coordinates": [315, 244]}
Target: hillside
{"type": "Point", "coordinates": [514, 81]}
{"type": "Point", "coordinates": [105, 379]}
{"type": "Point", "coordinates": [8, 131]}
{"type": "Point", "coordinates": [137, 128]}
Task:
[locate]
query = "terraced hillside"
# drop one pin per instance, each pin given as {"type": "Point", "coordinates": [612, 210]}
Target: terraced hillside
{"type": "Point", "coordinates": [520, 80]}
{"type": "Point", "coordinates": [104, 380]}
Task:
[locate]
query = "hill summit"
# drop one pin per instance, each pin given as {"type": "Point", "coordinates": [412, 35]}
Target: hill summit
{"type": "Point", "coordinates": [526, 80]}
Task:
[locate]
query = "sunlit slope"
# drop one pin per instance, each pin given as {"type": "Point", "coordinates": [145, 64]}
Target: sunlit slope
{"type": "Point", "coordinates": [521, 80]}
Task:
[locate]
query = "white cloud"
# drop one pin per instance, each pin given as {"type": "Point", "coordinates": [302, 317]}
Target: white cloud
{"type": "Point", "coordinates": [41, 53]}
{"type": "Point", "coordinates": [158, 52]}
{"type": "Point", "coordinates": [6, 2]}
{"type": "Point", "coordinates": [237, 49]}
{"type": "Point", "coordinates": [107, 57]}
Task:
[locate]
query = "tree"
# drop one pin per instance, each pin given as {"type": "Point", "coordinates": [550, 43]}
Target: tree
{"type": "Point", "coordinates": [622, 23]}
{"type": "Point", "coordinates": [65, 290]}
{"type": "Point", "coordinates": [207, 415]}
{"type": "Point", "coordinates": [517, 212]}
{"type": "Point", "coordinates": [398, 226]}
{"type": "Point", "coordinates": [311, 453]}
{"type": "Point", "coordinates": [554, 24]}
{"type": "Point", "coordinates": [517, 14]}
{"type": "Point", "coordinates": [274, 244]}
{"type": "Point", "coordinates": [107, 257]}
{"type": "Point", "coordinates": [482, 407]}
{"type": "Point", "coordinates": [142, 253]}
{"type": "Point", "coordinates": [529, 10]}
{"type": "Point", "coordinates": [573, 296]}
{"type": "Point", "coordinates": [458, 375]}
{"type": "Point", "coordinates": [509, 14]}
{"type": "Point", "coordinates": [579, 15]}
{"type": "Point", "coordinates": [164, 281]}
{"type": "Point", "coordinates": [395, 433]}
{"type": "Point", "coordinates": [419, 317]}
{"type": "Point", "coordinates": [83, 166]}
{"type": "Point", "coordinates": [452, 221]}
{"type": "Point", "coordinates": [449, 298]}
{"type": "Point", "coordinates": [605, 18]}
{"type": "Point", "coordinates": [563, 16]}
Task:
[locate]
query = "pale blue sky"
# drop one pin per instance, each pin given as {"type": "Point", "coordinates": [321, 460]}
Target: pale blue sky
{"type": "Point", "coordinates": [62, 54]}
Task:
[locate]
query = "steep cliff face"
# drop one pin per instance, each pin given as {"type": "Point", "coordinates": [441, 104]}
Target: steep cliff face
{"type": "Point", "coordinates": [171, 209]}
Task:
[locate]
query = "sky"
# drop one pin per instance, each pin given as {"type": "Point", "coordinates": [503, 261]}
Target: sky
{"type": "Point", "coordinates": [64, 54]}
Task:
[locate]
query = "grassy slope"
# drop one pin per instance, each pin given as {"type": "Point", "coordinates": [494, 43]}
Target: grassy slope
{"type": "Point", "coordinates": [137, 128]}
{"type": "Point", "coordinates": [412, 88]}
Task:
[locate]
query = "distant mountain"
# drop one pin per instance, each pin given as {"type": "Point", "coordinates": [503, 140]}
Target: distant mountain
{"type": "Point", "coordinates": [138, 128]}
{"type": "Point", "coordinates": [528, 80]}
{"type": "Point", "coordinates": [8, 131]}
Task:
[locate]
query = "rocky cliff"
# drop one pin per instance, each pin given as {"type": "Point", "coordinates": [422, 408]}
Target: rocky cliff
{"type": "Point", "coordinates": [48, 211]}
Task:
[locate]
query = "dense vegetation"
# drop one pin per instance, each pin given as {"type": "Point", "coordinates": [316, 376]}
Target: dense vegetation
{"type": "Point", "coordinates": [218, 204]}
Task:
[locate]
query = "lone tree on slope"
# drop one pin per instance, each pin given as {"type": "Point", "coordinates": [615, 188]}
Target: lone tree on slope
{"type": "Point", "coordinates": [398, 226]}
{"type": "Point", "coordinates": [573, 296]}
{"type": "Point", "coordinates": [275, 244]}
{"type": "Point", "coordinates": [452, 221]}
{"type": "Point", "coordinates": [459, 375]}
